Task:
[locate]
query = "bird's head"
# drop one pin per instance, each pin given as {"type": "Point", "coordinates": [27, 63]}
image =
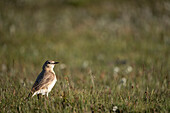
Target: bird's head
{"type": "Point", "coordinates": [49, 64]}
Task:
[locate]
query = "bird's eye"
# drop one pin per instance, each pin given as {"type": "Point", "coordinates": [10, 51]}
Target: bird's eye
{"type": "Point", "coordinates": [48, 62]}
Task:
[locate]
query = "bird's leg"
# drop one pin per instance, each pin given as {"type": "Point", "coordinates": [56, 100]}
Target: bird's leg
{"type": "Point", "coordinates": [38, 96]}
{"type": "Point", "coordinates": [47, 96]}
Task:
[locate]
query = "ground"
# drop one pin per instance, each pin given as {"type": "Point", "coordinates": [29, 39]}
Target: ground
{"type": "Point", "coordinates": [114, 55]}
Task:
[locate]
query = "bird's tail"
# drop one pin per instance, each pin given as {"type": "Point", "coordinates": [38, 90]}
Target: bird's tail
{"type": "Point", "coordinates": [29, 95]}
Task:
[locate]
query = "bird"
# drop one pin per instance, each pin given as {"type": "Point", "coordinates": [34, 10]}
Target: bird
{"type": "Point", "coordinates": [45, 80]}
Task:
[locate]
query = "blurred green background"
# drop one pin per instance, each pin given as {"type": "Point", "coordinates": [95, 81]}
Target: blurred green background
{"type": "Point", "coordinates": [116, 40]}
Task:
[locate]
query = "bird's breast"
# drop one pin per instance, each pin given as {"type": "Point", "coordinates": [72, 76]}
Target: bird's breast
{"type": "Point", "coordinates": [52, 84]}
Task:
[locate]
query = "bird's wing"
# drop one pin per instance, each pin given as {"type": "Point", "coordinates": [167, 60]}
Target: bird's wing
{"type": "Point", "coordinates": [43, 80]}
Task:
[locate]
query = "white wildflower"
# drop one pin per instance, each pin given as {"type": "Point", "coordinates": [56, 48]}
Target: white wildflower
{"type": "Point", "coordinates": [115, 108]}
{"type": "Point", "coordinates": [85, 64]}
{"type": "Point", "coordinates": [129, 69]}
{"type": "Point", "coordinates": [123, 81]}
{"type": "Point", "coordinates": [116, 70]}
{"type": "Point", "coordinates": [62, 66]}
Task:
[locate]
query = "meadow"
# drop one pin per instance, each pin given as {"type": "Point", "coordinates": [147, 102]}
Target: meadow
{"type": "Point", "coordinates": [114, 55]}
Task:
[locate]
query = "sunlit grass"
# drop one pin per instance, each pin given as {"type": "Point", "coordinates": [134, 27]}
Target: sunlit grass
{"type": "Point", "coordinates": [111, 58]}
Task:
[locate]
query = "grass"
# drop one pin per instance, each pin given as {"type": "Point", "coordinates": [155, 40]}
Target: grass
{"type": "Point", "coordinates": [111, 54]}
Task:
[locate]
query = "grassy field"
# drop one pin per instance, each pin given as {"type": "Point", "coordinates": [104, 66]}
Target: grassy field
{"type": "Point", "coordinates": [112, 54]}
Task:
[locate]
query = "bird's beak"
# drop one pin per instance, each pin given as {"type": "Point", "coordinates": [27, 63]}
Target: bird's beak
{"type": "Point", "coordinates": [56, 62]}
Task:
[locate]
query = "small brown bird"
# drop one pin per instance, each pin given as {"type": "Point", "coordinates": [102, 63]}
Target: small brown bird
{"type": "Point", "coordinates": [45, 80]}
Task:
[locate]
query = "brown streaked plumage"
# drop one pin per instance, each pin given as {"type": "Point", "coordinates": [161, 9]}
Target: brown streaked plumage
{"type": "Point", "coordinates": [45, 80]}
